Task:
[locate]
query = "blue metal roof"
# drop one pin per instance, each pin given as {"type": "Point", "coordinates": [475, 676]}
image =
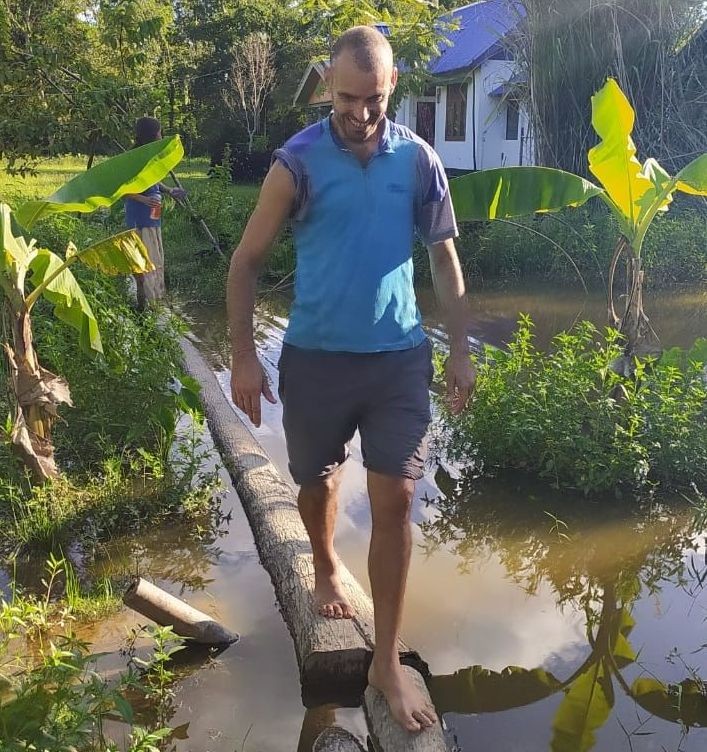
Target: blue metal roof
{"type": "Point", "coordinates": [481, 26]}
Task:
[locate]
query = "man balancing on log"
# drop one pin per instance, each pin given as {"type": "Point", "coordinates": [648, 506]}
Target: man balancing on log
{"type": "Point", "coordinates": [355, 187]}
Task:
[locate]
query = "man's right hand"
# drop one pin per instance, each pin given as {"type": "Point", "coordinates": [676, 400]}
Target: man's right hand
{"type": "Point", "coordinates": [248, 382]}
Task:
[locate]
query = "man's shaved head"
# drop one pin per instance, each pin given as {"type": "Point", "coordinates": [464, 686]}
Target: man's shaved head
{"type": "Point", "coordinates": [368, 48]}
{"type": "Point", "coordinates": [361, 79]}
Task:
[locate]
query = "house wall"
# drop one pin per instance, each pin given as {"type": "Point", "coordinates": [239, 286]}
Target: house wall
{"type": "Point", "coordinates": [490, 113]}
{"type": "Point", "coordinates": [493, 149]}
{"type": "Point", "coordinates": [455, 155]}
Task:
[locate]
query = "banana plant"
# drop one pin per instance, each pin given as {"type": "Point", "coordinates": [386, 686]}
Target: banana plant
{"type": "Point", "coordinates": [635, 194]}
{"type": "Point", "coordinates": [28, 273]}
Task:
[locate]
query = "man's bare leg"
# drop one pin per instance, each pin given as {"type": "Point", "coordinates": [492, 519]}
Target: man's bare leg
{"type": "Point", "coordinates": [317, 504]}
{"type": "Point", "coordinates": [388, 562]}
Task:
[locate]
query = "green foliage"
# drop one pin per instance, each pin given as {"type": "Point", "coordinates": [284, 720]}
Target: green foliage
{"type": "Point", "coordinates": [53, 698]}
{"type": "Point", "coordinates": [75, 75]}
{"type": "Point", "coordinates": [416, 30]}
{"type": "Point", "coordinates": [675, 249]}
{"type": "Point", "coordinates": [193, 269]}
{"type": "Point", "coordinates": [568, 416]}
{"type": "Point", "coordinates": [567, 48]}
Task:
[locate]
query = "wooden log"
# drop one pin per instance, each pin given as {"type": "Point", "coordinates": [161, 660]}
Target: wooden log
{"type": "Point", "coordinates": [389, 735]}
{"type": "Point", "coordinates": [336, 739]}
{"type": "Point", "coordinates": [166, 610]}
{"type": "Point", "coordinates": [333, 654]}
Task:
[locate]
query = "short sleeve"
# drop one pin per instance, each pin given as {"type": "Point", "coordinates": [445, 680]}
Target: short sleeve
{"type": "Point", "coordinates": [434, 213]}
{"type": "Point", "coordinates": [296, 168]}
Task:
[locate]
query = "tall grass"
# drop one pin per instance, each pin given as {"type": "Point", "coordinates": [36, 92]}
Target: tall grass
{"type": "Point", "coordinates": [567, 48]}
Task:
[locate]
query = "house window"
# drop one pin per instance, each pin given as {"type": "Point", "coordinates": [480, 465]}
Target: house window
{"type": "Point", "coordinates": [455, 125]}
{"type": "Point", "coordinates": [512, 117]}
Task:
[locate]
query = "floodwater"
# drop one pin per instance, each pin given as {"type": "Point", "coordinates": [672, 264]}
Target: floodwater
{"type": "Point", "coordinates": [549, 621]}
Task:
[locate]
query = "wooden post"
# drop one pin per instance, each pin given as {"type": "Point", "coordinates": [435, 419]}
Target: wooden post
{"type": "Point", "coordinates": [333, 654]}
{"type": "Point", "coordinates": [154, 603]}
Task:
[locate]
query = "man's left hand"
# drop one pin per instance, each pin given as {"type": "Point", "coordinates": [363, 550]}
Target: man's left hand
{"type": "Point", "coordinates": [461, 380]}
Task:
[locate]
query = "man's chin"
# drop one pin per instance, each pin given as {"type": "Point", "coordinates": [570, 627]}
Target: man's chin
{"type": "Point", "coordinates": [361, 134]}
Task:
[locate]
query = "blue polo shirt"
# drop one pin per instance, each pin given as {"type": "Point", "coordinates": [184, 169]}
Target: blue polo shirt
{"type": "Point", "coordinates": [354, 228]}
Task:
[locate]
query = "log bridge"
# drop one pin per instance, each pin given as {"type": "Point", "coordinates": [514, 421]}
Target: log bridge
{"type": "Point", "coordinates": [333, 655]}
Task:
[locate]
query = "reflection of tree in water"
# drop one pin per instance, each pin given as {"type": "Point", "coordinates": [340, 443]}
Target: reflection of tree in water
{"type": "Point", "coordinates": [174, 554]}
{"type": "Point", "coordinates": [597, 555]}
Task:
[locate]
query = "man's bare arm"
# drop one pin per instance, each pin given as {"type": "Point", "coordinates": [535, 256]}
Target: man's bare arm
{"type": "Point", "coordinates": [248, 380]}
{"type": "Point", "coordinates": [449, 287]}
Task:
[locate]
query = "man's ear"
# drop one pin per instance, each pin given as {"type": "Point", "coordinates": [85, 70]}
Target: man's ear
{"type": "Point", "coordinates": [393, 79]}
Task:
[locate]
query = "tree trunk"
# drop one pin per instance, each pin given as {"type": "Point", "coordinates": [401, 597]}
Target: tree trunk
{"type": "Point", "coordinates": [639, 336]}
{"type": "Point", "coordinates": [38, 393]}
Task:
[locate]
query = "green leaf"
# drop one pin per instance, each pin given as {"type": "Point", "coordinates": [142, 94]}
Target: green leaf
{"type": "Point", "coordinates": [124, 253]}
{"type": "Point", "coordinates": [585, 709]}
{"type": "Point", "coordinates": [509, 192]}
{"type": "Point", "coordinates": [131, 172]}
{"type": "Point", "coordinates": [613, 161]}
{"type": "Point", "coordinates": [16, 252]}
{"type": "Point", "coordinates": [70, 304]}
{"type": "Point", "coordinates": [693, 178]}
{"type": "Point", "coordinates": [684, 702]}
{"type": "Point", "coordinates": [661, 180]}
{"type": "Point", "coordinates": [124, 708]}
{"type": "Point", "coordinates": [677, 357]}
{"type": "Point", "coordinates": [478, 690]}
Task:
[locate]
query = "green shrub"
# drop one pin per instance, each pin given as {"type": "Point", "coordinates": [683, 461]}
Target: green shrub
{"type": "Point", "coordinates": [53, 698]}
{"type": "Point", "coordinates": [541, 247]}
{"type": "Point", "coordinates": [568, 416]}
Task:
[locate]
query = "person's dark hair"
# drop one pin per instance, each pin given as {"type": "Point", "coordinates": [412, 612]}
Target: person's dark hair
{"type": "Point", "coordinates": [366, 43]}
{"type": "Point", "coordinates": [146, 130]}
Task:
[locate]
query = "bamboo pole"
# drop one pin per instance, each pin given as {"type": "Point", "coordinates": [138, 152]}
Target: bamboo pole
{"type": "Point", "coordinates": [333, 654]}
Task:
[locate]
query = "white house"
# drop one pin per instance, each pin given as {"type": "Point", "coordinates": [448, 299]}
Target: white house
{"type": "Point", "coordinates": [469, 113]}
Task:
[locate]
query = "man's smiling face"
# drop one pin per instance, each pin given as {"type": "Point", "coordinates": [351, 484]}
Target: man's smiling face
{"type": "Point", "coordinates": [360, 97]}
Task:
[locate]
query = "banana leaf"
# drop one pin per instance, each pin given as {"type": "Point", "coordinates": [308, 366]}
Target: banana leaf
{"type": "Point", "coordinates": [131, 172]}
{"type": "Point", "coordinates": [70, 304]}
{"type": "Point", "coordinates": [585, 708]}
{"type": "Point", "coordinates": [685, 702]}
{"type": "Point", "coordinates": [613, 161]}
{"type": "Point", "coordinates": [124, 253]}
{"type": "Point", "coordinates": [508, 192]}
{"type": "Point", "coordinates": [478, 690]}
{"type": "Point", "coordinates": [693, 178]}
{"type": "Point", "coordinates": [15, 252]}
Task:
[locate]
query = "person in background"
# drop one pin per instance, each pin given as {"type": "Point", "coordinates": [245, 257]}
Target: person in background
{"type": "Point", "coordinates": [143, 212]}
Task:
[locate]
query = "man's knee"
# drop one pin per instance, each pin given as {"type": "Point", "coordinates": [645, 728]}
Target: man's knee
{"type": "Point", "coordinates": [391, 497]}
{"type": "Point", "coordinates": [322, 489]}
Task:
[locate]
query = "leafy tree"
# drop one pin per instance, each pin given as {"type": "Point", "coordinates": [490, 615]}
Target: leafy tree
{"type": "Point", "coordinates": [76, 74]}
{"type": "Point", "coordinates": [415, 30]}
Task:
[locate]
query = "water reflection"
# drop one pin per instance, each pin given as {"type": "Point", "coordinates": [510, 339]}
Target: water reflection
{"type": "Point", "coordinates": [603, 559]}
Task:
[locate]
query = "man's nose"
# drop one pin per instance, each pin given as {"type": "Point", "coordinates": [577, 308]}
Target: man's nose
{"type": "Point", "coordinates": [362, 113]}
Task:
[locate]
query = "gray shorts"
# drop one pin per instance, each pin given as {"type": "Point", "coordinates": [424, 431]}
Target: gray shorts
{"type": "Point", "coordinates": [326, 396]}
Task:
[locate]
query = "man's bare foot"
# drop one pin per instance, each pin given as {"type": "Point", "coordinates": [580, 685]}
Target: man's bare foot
{"type": "Point", "coordinates": [408, 705]}
{"type": "Point", "coordinates": [330, 597]}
